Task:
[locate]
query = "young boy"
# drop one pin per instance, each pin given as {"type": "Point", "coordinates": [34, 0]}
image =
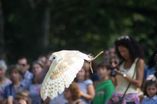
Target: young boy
{"type": "Point", "coordinates": [105, 88]}
{"type": "Point", "coordinates": [12, 89]}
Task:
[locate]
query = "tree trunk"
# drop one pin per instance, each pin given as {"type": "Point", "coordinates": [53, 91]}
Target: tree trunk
{"type": "Point", "coordinates": [2, 44]}
{"type": "Point", "coordinates": [46, 27]}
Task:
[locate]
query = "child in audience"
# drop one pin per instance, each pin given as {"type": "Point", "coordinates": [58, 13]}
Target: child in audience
{"type": "Point", "coordinates": [150, 90]}
{"type": "Point", "coordinates": [72, 94]}
{"type": "Point", "coordinates": [105, 88]}
{"type": "Point", "coordinates": [85, 84]}
{"type": "Point", "coordinates": [22, 98]}
{"type": "Point", "coordinates": [15, 87]}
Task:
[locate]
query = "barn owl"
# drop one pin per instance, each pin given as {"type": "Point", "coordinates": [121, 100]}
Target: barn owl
{"type": "Point", "coordinates": [63, 69]}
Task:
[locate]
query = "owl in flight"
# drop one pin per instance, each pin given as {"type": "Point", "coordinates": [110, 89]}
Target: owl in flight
{"type": "Point", "coordinates": [63, 69]}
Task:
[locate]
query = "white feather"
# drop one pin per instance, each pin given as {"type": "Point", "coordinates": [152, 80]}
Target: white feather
{"type": "Point", "coordinates": [65, 65]}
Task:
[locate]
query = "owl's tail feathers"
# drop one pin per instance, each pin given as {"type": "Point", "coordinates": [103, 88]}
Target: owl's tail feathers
{"type": "Point", "coordinates": [94, 59]}
{"type": "Point", "coordinates": [101, 52]}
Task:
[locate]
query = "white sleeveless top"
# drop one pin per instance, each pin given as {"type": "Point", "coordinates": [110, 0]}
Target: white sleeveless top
{"type": "Point", "coordinates": [123, 83]}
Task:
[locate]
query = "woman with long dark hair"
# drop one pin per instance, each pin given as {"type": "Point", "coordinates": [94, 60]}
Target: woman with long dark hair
{"type": "Point", "coordinates": [130, 71]}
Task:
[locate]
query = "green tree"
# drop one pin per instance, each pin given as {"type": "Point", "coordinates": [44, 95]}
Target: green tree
{"type": "Point", "coordinates": [32, 27]}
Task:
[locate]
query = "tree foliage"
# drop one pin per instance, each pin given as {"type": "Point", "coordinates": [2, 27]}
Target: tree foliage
{"type": "Point", "coordinates": [32, 27]}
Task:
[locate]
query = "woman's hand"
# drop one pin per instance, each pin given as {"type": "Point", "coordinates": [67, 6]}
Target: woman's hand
{"type": "Point", "coordinates": [139, 74]}
{"type": "Point", "coordinates": [119, 72]}
{"type": "Point", "coordinates": [125, 76]}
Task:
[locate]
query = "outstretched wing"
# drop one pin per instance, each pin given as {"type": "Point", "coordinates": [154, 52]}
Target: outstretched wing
{"type": "Point", "coordinates": [65, 65]}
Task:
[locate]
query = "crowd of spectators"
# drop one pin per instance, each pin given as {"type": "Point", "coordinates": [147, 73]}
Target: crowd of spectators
{"type": "Point", "coordinates": [122, 75]}
{"type": "Point", "coordinates": [21, 82]}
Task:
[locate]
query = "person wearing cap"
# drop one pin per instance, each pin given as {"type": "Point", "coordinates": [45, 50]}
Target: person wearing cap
{"type": "Point", "coordinates": [4, 81]}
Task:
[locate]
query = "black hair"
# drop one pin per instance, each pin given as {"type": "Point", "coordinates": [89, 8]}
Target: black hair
{"type": "Point", "coordinates": [103, 65]}
{"type": "Point", "coordinates": [152, 61]}
{"type": "Point", "coordinates": [135, 50]}
{"type": "Point", "coordinates": [147, 84]}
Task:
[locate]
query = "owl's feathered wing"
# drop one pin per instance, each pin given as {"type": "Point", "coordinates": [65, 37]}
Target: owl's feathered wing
{"type": "Point", "coordinates": [65, 65]}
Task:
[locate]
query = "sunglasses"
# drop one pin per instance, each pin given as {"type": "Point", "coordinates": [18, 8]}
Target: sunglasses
{"type": "Point", "coordinates": [23, 65]}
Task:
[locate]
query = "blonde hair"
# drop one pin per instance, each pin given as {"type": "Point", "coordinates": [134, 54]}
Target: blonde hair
{"type": "Point", "coordinates": [75, 91]}
{"type": "Point", "coordinates": [86, 67]}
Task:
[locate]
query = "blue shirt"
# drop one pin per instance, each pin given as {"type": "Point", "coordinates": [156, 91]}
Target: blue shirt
{"type": "Point", "coordinates": [34, 92]}
{"type": "Point", "coordinates": [152, 100]}
{"type": "Point", "coordinates": [10, 90]}
{"type": "Point", "coordinates": [83, 85]}
{"type": "Point", "coordinates": [5, 83]}
{"type": "Point", "coordinates": [27, 79]}
{"type": "Point", "coordinates": [149, 71]}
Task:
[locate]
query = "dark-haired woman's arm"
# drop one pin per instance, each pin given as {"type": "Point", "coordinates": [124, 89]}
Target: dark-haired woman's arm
{"type": "Point", "coordinates": [139, 74]}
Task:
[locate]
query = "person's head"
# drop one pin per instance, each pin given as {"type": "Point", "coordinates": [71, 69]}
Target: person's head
{"type": "Point", "coordinates": [128, 48]}
{"type": "Point", "coordinates": [73, 92]}
{"type": "Point", "coordinates": [84, 73]}
{"type": "Point", "coordinates": [81, 75]}
{"type": "Point", "coordinates": [114, 61]}
{"type": "Point", "coordinates": [42, 59]}
{"type": "Point", "coordinates": [37, 68]}
{"type": "Point", "coordinates": [22, 98]}
{"type": "Point", "coordinates": [3, 68]}
{"type": "Point", "coordinates": [112, 52]}
{"type": "Point", "coordinates": [48, 62]}
{"type": "Point", "coordinates": [150, 88]}
{"type": "Point", "coordinates": [15, 74]}
{"type": "Point", "coordinates": [22, 62]}
{"type": "Point", "coordinates": [103, 71]}
{"type": "Point", "coordinates": [87, 68]}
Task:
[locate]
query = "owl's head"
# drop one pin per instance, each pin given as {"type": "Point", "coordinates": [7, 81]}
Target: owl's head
{"type": "Point", "coordinates": [55, 58]}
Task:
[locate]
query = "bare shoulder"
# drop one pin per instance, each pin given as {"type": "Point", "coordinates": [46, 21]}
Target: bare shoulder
{"type": "Point", "coordinates": [140, 61]}
{"type": "Point", "coordinates": [140, 64]}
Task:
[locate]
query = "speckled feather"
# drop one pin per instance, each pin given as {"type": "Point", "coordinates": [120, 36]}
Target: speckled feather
{"type": "Point", "coordinates": [64, 67]}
